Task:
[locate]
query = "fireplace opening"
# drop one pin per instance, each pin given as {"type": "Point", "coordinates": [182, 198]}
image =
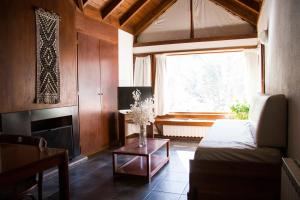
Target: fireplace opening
{"type": "Point", "coordinates": [58, 132]}
{"type": "Point", "coordinates": [59, 126]}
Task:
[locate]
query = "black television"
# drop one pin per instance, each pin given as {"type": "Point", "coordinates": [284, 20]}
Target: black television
{"type": "Point", "coordinates": [125, 96]}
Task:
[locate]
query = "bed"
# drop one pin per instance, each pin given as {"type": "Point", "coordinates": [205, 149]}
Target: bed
{"type": "Point", "coordinates": [241, 159]}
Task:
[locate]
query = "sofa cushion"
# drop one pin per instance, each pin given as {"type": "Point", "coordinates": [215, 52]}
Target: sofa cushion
{"type": "Point", "coordinates": [268, 115]}
{"type": "Point", "coordinates": [231, 140]}
{"type": "Point", "coordinates": [227, 130]}
{"type": "Point", "coordinates": [235, 151]}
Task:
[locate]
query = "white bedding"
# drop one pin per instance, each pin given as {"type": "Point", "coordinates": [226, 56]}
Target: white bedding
{"type": "Point", "coordinates": [232, 140]}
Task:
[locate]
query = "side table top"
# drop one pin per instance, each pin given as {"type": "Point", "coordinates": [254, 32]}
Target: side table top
{"type": "Point", "coordinates": [132, 147]}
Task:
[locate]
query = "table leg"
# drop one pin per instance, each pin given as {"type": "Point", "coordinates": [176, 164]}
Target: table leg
{"type": "Point", "coordinates": [63, 173]}
{"type": "Point", "coordinates": [114, 159]}
{"type": "Point", "coordinates": [168, 149]}
{"type": "Point", "coordinates": [148, 167]}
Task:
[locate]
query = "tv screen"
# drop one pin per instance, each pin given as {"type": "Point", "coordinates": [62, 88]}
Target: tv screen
{"type": "Point", "coordinates": [125, 96]}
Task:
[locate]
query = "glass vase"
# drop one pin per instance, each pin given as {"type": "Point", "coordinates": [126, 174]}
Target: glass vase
{"type": "Point", "coordinates": [142, 136]}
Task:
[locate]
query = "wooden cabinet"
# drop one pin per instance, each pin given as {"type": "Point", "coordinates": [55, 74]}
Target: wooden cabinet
{"type": "Point", "coordinates": [97, 86]}
{"type": "Point", "coordinates": [109, 85]}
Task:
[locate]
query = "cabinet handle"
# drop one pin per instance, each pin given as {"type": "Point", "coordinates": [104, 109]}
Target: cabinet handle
{"type": "Point", "coordinates": [101, 96]}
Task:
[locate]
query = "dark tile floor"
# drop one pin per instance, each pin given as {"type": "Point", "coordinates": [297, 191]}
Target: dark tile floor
{"type": "Point", "coordinates": [92, 179]}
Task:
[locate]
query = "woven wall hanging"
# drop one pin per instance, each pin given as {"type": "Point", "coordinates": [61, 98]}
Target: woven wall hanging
{"type": "Point", "coordinates": [48, 79]}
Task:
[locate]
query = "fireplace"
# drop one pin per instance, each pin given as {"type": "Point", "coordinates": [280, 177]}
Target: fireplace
{"type": "Point", "coordinates": [59, 126]}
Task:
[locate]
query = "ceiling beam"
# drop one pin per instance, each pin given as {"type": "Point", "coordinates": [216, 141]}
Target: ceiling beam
{"type": "Point", "coordinates": [85, 2]}
{"type": "Point", "coordinates": [152, 16]}
{"type": "Point", "coordinates": [235, 8]}
{"type": "Point", "coordinates": [250, 4]}
{"type": "Point", "coordinates": [79, 4]}
{"type": "Point", "coordinates": [132, 11]}
{"type": "Point", "coordinates": [192, 31]}
{"type": "Point", "coordinates": [203, 39]}
{"type": "Point", "coordinates": [110, 7]}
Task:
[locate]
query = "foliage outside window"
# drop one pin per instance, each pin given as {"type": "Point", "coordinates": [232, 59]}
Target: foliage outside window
{"type": "Point", "coordinates": [208, 82]}
{"type": "Point", "coordinates": [240, 110]}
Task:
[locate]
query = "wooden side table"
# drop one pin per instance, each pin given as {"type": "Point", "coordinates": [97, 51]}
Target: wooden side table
{"type": "Point", "coordinates": [144, 163]}
{"type": "Point", "coordinates": [124, 118]}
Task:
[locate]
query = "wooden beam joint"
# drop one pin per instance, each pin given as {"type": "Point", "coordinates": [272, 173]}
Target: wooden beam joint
{"type": "Point", "coordinates": [151, 17]}
{"type": "Point", "coordinates": [235, 8]}
{"type": "Point", "coordinates": [110, 7]}
{"type": "Point", "coordinates": [132, 11]}
{"type": "Point", "coordinates": [250, 4]}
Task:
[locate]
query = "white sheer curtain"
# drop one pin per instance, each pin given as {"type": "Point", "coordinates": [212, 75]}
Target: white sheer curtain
{"type": "Point", "coordinates": [142, 71]}
{"type": "Point", "coordinates": [253, 71]}
{"type": "Point", "coordinates": [160, 85]}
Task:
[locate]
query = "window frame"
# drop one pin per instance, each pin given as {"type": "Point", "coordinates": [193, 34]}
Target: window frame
{"type": "Point", "coordinates": [260, 48]}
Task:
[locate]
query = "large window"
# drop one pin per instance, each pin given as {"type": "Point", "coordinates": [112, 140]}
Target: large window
{"type": "Point", "coordinates": [211, 82]}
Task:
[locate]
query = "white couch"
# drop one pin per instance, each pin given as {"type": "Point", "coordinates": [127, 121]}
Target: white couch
{"type": "Point", "coordinates": [241, 159]}
{"type": "Point", "coordinates": [259, 139]}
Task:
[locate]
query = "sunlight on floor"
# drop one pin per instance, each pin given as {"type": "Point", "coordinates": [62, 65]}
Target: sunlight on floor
{"type": "Point", "coordinates": [185, 157]}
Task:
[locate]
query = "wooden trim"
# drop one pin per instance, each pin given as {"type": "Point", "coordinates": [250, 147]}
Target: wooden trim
{"type": "Point", "coordinates": [80, 4]}
{"type": "Point", "coordinates": [110, 7]}
{"type": "Point", "coordinates": [201, 51]}
{"type": "Point", "coordinates": [153, 15]}
{"type": "Point", "coordinates": [220, 50]}
{"type": "Point", "coordinates": [153, 72]}
{"type": "Point", "coordinates": [196, 115]}
{"type": "Point", "coordinates": [250, 4]}
{"type": "Point", "coordinates": [204, 39]}
{"type": "Point", "coordinates": [190, 114]}
{"type": "Point", "coordinates": [135, 39]}
{"type": "Point", "coordinates": [190, 119]}
{"type": "Point", "coordinates": [184, 122]}
{"type": "Point", "coordinates": [132, 11]}
{"type": "Point", "coordinates": [142, 55]}
{"type": "Point", "coordinates": [85, 2]}
{"type": "Point", "coordinates": [192, 35]}
{"type": "Point", "coordinates": [263, 66]}
{"type": "Point", "coordinates": [235, 8]}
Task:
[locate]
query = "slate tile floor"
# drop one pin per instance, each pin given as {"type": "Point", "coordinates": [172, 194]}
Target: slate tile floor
{"type": "Point", "coordinates": [92, 179]}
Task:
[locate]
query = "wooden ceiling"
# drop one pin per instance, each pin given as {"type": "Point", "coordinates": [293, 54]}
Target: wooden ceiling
{"type": "Point", "coordinates": [134, 16]}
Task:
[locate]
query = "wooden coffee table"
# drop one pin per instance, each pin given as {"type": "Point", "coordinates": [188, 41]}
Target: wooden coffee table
{"type": "Point", "coordinates": [145, 162]}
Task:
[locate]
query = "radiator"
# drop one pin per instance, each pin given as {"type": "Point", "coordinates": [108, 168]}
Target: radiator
{"type": "Point", "coordinates": [290, 180]}
{"type": "Point", "coordinates": [185, 131]}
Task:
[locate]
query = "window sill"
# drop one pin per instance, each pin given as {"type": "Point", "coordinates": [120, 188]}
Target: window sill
{"type": "Point", "coordinates": [190, 119]}
{"type": "Point", "coordinates": [184, 122]}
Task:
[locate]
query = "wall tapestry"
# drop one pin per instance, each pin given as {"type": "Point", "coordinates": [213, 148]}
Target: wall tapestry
{"type": "Point", "coordinates": [48, 79]}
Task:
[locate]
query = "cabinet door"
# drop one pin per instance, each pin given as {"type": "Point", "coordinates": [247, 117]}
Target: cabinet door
{"type": "Point", "coordinates": [109, 85]}
{"type": "Point", "coordinates": [89, 93]}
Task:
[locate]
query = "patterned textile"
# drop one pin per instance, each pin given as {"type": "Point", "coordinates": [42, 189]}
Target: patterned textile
{"type": "Point", "coordinates": [48, 80]}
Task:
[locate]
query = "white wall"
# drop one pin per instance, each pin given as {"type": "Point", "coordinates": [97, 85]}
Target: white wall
{"type": "Point", "coordinates": [283, 61]}
{"type": "Point", "coordinates": [196, 46]}
{"type": "Point", "coordinates": [125, 58]}
{"type": "Point", "coordinates": [210, 20]}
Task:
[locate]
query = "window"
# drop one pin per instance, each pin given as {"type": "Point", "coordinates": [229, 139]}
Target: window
{"type": "Point", "coordinates": [211, 82]}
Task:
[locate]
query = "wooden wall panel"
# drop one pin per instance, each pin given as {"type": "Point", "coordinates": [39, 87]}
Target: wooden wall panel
{"type": "Point", "coordinates": [95, 28]}
{"type": "Point", "coordinates": [89, 98]}
{"type": "Point", "coordinates": [18, 53]}
{"type": "Point", "coordinates": [109, 85]}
